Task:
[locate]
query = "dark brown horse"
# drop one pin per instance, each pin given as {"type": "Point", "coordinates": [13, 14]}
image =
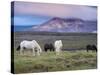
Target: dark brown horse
{"type": "Point", "coordinates": [91, 47]}
{"type": "Point", "coordinates": [48, 47]}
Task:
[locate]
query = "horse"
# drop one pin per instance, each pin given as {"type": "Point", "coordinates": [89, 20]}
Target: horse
{"type": "Point", "coordinates": [36, 49]}
{"type": "Point", "coordinates": [48, 46]}
{"type": "Point", "coordinates": [91, 47]}
{"type": "Point", "coordinates": [58, 46]}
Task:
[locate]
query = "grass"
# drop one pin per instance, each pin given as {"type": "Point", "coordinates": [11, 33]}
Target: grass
{"type": "Point", "coordinates": [48, 62]}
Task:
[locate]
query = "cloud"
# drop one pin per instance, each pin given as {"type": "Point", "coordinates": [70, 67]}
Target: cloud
{"type": "Point", "coordinates": [55, 10]}
{"type": "Point", "coordinates": [28, 20]}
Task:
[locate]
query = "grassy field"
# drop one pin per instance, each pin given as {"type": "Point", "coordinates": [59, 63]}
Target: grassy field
{"type": "Point", "coordinates": [49, 62]}
{"type": "Point", "coordinates": [76, 59]}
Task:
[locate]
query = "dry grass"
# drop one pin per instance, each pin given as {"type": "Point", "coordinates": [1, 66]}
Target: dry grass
{"type": "Point", "coordinates": [48, 62]}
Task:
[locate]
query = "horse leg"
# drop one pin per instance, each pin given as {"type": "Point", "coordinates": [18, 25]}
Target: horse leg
{"type": "Point", "coordinates": [57, 52]}
{"type": "Point", "coordinates": [96, 50]}
{"type": "Point", "coordinates": [45, 49]}
{"type": "Point", "coordinates": [38, 52]}
{"type": "Point", "coordinates": [87, 50]}
{"type": "Point", "coordinates": [53, 49]}
{"type": "Point", "coordinates": [21, 51]}
{"type": "Point", "coordinates": [50, 49]}
{"type": "Point", "coordinates": [33, 52]}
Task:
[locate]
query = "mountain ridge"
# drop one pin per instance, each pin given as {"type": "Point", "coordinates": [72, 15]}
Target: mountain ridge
{"type": "Point", "coordinates": [66, 25]}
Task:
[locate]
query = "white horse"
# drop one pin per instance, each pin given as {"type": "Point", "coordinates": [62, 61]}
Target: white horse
{"type": "Point", "coordinates": [30, 45]}
{"type": "Point", "coordinates": [58, 46]}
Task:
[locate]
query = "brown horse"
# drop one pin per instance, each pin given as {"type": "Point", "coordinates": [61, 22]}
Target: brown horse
{"type": "Point", "coordinates": [48, 46]}
{"type": "Point", "coordinates": [91, 47]}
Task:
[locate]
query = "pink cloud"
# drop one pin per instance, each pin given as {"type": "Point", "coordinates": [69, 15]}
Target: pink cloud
{"type": "Point", "coordinates": [56, 10]}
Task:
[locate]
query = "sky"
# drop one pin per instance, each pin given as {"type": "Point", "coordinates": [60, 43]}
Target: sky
{"type": "Point", "coordinates": [30, 13]}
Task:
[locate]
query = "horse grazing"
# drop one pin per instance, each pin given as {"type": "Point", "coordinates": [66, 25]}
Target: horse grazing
{"type": "Point", "coordinates": [48, 47]}
{"type": "Point", "coordinates": [36, 49]}
{"type": "Point", "coordinates": [58, 46]}
{"type": "Point", "coordinates": [91, 47]}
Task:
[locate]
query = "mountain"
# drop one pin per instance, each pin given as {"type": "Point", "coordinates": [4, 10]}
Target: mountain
{"type": "Point", "coordinates": [66, 25]}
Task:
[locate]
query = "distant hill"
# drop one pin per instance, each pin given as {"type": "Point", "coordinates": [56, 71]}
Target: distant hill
{"type": "Point", "coordinates": [66, 25]}
{"type": "Point", "coordinates": [62, 25]}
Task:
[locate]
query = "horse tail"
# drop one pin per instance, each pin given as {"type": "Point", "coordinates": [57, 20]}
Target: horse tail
{"type": "Point", "coordinates": [18, 48]}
